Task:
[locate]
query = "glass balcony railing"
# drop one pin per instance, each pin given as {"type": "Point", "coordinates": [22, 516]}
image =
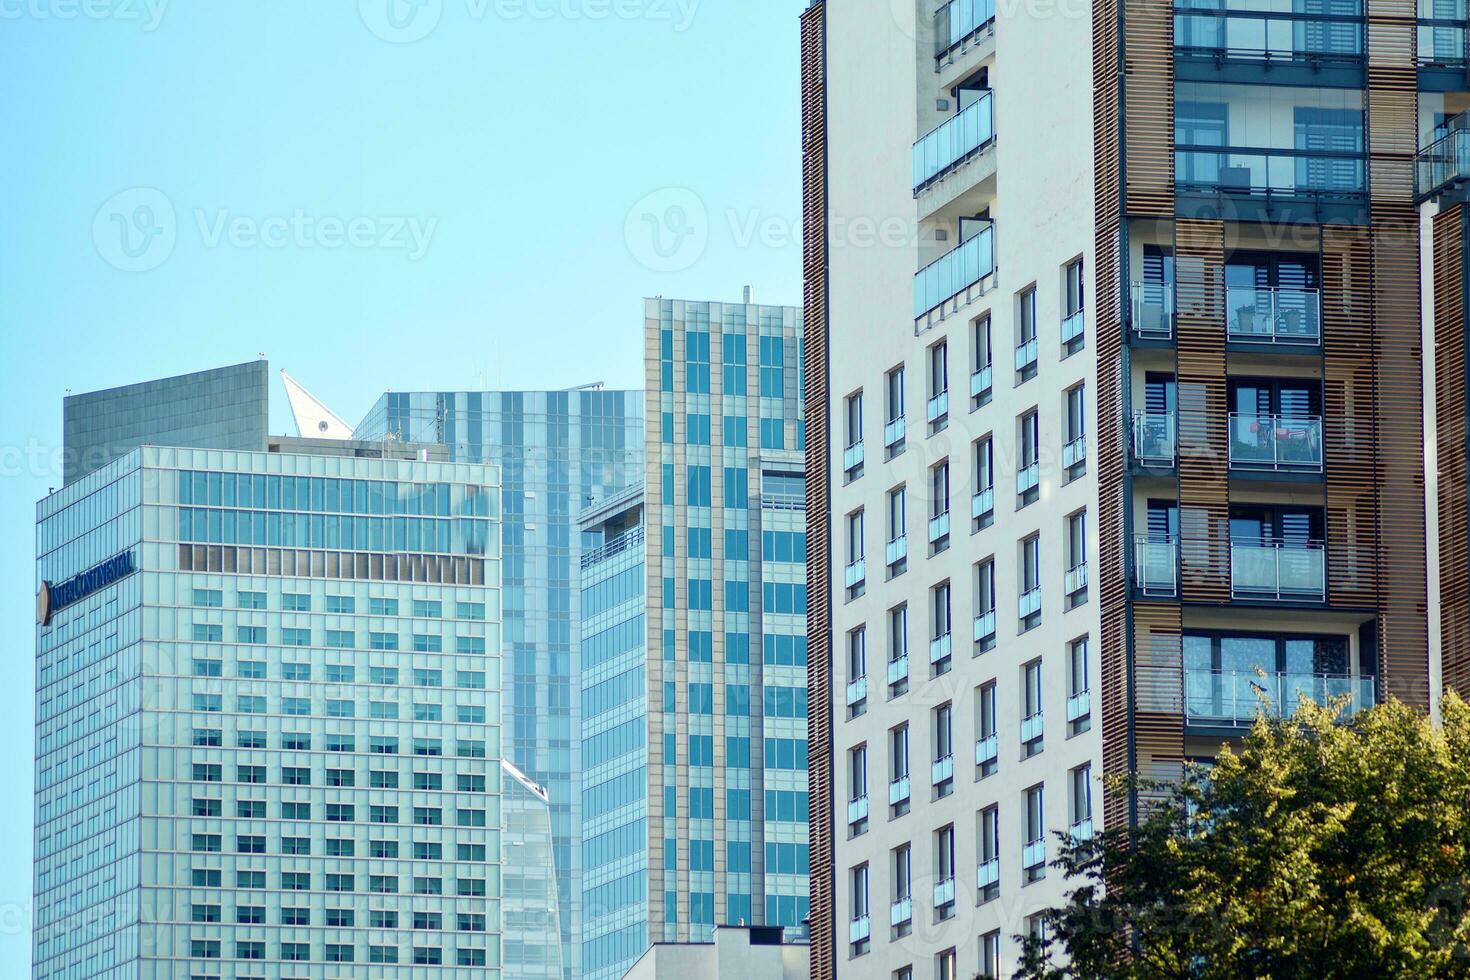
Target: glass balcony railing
{"type": "Point", "coordinates": [900, 911]}
{"type": "Point", "coordinates": [896, 550]}
{"type": "Point", "coordinates": [1028, 477]}
{"type": "Point", "coordinates": [1075, 579]}
{"type": "Point", "coordinates": [1443, 163]}
{"type": "Point", "coordinates": [898, 789]}
{"type": "Point", "coordinates": [987, 874]}
{"type": "Point", "coordinates": [937, 407]}
{"type": "Point", "coordinates": [853, 457]}
{"type": "Point", "coordinates": [1026, 352]}
{"type": "Point", "coordinates": [893, 432]}
{"type": "Point", "coordinates": [982, 503]}
{"type": "Point", "coordinates": [939, 648]}
{"type": "Point", "coordinates": [944, 148]}
{"type": "Point", "coordinates": [857, 691]}
{"type": "Point", "coordinates": [1268, 570]}
{"type": "Point", "coordinates": [1074, 452]}
{"type": "Point", "coordinates": [898, 669]}
{"type": "Point", "coordinates": [1268, 36]}
{"type": "Point", "coordinates": [1236, 698]}
{"type": "Point", "coordinates": [985, 627]}
{"type": "Point", "coordinates": [1275, 442]}
{"type": "Point", "coordinates": [1033, 855]}
{"type": "Point", "coordinates": [1155, 438]}
{"type": "Point", "coordinates": [856, 573]}
{"type": "Point", "coordinates": [1270, 172]}
{"type": "Point", "coordinates": [941, 770]}
{"type": "Point", "coordinates": [1156, 565]}
{"type": "Point", "coordinates": [944, 893]}
{"type": "Point", "coordinates": [859, 928]}
{"type": "Point", "coordinates": [1153, 310]}
{"type": "Point", "coordinates": [958, 21]}
{"type": "Point", "coordinates": [1072, 326]}
{"type": "Point", "coordinates": [1029, 604]}
{"type": "Point", "coordinates": [987, 750]}
{"type": "Point", "coordinates": [980, 381]}
{"type": "Point", "coordinates": [955, 271]}
{"type": "Point", "coordinates": [1262, 315]}
{"type": "Point", "coordinates": [857, 809]}
{"type": "Point", "coordinates": [938, 527]}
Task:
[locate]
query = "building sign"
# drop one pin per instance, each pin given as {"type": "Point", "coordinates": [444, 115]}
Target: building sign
{"type": "Point", "coordinates": [52, 598]}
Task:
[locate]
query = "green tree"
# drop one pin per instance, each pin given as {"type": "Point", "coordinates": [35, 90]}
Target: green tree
{"type": "Point", "coordinates": [1319, 847]}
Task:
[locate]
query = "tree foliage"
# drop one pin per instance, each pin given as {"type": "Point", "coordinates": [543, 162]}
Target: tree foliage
{"type": "Point", "coordinates": [1318, 848]}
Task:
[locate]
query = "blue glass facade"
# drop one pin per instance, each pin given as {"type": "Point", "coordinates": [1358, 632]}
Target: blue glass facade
{"type": "Point", "coordinates": [556, 451]}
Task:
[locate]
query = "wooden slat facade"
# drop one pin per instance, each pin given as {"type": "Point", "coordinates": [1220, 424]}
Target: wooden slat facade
{"type": "Point", "coordinates": [822, 828]}
{"type": "Point", "coordinates": [1204, 474]}
{"type": "Point", "coordinates": [1393, 136]}
{"type": "Point", "coordinates": [1450, 307]}
{"type": "Point", "coordinates": [1150, 97]}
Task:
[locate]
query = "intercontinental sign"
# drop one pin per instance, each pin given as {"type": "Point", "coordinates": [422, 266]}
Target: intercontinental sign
{"type": "Point", "coordinates": [52, 598]}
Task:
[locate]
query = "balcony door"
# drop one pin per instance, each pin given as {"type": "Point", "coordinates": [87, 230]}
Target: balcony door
{"type": "Point", "coordinates": [1337, 134]}
{"type": "Point", "coordinates": [1289, 527]}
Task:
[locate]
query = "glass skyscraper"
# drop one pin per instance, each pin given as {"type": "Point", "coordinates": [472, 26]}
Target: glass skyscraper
{"type": "Point", "coordinates": [268, 717]}
{"type": "Point", "coordinates": [694, 640]}
{"type": "Point", "coordinates": [556, 451]}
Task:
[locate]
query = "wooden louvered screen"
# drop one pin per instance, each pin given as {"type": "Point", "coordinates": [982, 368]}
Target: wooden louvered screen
{"type": "Point", "coordinates": [1350, 417]}
{"type": "Point", "coordinates": [1159, 679]}
{"type": "Point", "coordinates": [1112, 280]}
{"type": "Point", "coordinates": [1393, 135]}
{"type": "Point", "coordinates": [1204, 477]}
{"type": "Point", "coordinates": [1150, 97]}
{"type": "Point", "coordinates": [1450, 390]}
{"type": "Point", "coordinates": [822, 832]}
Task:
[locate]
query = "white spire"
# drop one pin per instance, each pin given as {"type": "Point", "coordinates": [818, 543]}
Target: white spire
{"type": "Point", "coordinates": [313, 419]}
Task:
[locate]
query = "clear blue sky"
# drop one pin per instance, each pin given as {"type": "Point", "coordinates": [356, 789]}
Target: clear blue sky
{"type": "Point", "coordinates": [190, 184]}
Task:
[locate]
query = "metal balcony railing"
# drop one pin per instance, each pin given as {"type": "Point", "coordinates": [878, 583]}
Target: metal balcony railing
{"type": "Point", "coordinates": [1153, 310]}
{"type": "Point", "coordinates": [980, 381]}
{"type": "Point", "coordinates": [958, 21]}
{"type": "Point", "coordinates": [1156, 565]}
{"type": "Point", "coordinates": [1270, 172]}
{"type": "Point", "coordinates": [1026, 354]}
{"type": "Point", "coordinates": [1275, 442]}
{"type": "Point", "coordinates": [1155, 438]}
{"type": "Point", "coordinates": [1072, 327]}
{"type": "Point", "coordinates": [1269, 37]}
{"type": "Point", "coordinates": [1271, 570]}
{"type": "Point", "coordinates": [947, 146]}
{"type": "Point", "coordinates": [616, 546]}
{"type": "Point", "coordinates": [1235, 698]}
{"type": "Point", "coordinates": [1273, 315]}
{"type": "Point", "coordinates": [955, 271]}
{"type": "Point", "coordinates": [1443, 163]}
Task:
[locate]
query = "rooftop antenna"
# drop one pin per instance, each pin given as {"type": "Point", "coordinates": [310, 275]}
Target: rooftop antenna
{"type": "Point", "coordinates": [313, 419]}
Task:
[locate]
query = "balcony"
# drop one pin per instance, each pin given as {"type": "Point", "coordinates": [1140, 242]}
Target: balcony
{"type": "Point", "coordinates": [944, 893]}
{"type": "Point", "coordinates": [982, 504]}
{"type": "Point", "coordinates": [958, 22]}
{"type": "Point", "coordinates": [1235, 698]}
{"type": "Point", "coordinates": [987, 874]}
{"type": "Point", "coordinates": [893, 432]}
{"type": "Point", "coordinates": [942, 770]}
{"type": "Point", "coordinates": [1269, 175]}
{"type": "Point", "coordinates": [938, 527]}
{"type": "Point", "coordinates": [1269, 38]}
{"type": "Point", "coordinates": [783, 501]}
{"type": "Point", "coordinates": [955, 272]}
{"type": "Point", "coordinates": [1075, 579]}
{"type": "Point", "coordinates": [1155, 439]}
{"type": "Point", "coordinates": [1275, 442]}
{"type": "Point", "coordinates": [898, 790]}
{"type": "Point", "coordinates": [987, 750]}
{"type": "Point", "coordinates": [953, 142]}
{"type": "Point", "coordinates": [939, 648]}
{"type": "Point", "coordinates": [1082, 829]}
{"type": "Point", "coordinates": [1152, 309]}
{"type": "Point", "coordinates": [1074, 453]}
{"type": "Point", "coordinates": [852, 457]}
{"type": "Point", "coordinates": [856, 573]}
{"type": "Point", "coordinates": [937, 407]}
{"type": "Point", "coordinates": [896, 550]}
{"type": "Point", "coordinates": [1072, 327]}
{"type": "Point", "coordinates": [1268, 570]}
{"type": "Point", "coordinates": [612, 548]}
{"type": "Point", "coordinates": [980, 382]}
{"type": "Point", "coordinates": [1261, 315]}
{"type": "Point", "coordinates": [898, 670]}
{"type": "Point", "coordinates": [1026, 355]}
{"type": "Point", "coordinates": [1033, 727]}
{"type": "Point", "coordinates": [1029, 604]}
{"type": "Point", "coordinates": [1028, 478]}
{"type": "Point", "coordinates": [985, 627]}
{"type": "Point", "coordinates": [1156, 566]}
{"type": "Point", "coordinates": [857, 809]}
{"type": "Point", "coordinates": [1033, 855]}
{"type": "Point", "coordinates": [1441, 40]}
{"type": "Point", "coordinates": [900, 911]}
{"type": "Point", "coordinates": [1445, 163]}
{"type": "Point", "coordinates": [1079, 705]}
{"type": "Point", "coordinates": [857, 691]}
{"type": "Point", "coordinates": [859, 929]}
